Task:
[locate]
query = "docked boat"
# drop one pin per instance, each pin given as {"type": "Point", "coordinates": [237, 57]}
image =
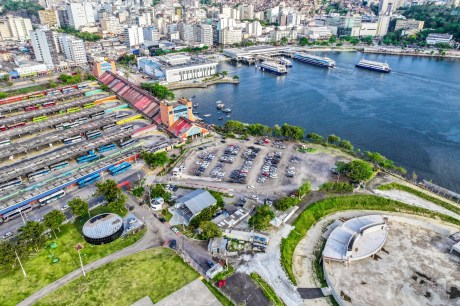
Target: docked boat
{"type": "Point", "coordinates": [372, 65]}
{"type": "Point", "coordinates": [314, 60]}
{"type": "Point", "coordinates": [273, 67]}
{"type": "Point", "coordinates": [221, 118]}
{"type": "Point", "coordinates": [220, 106]}
{"type": "Point", "coordinates": [207, 115]}
{"type": "Point", "coordinates": [227, 110]}
{"type": "Point", "coordinates": [285, 62]}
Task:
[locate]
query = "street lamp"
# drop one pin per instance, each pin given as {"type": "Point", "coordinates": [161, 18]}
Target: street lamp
{"type": "Point", "coordinates": [78, 247]}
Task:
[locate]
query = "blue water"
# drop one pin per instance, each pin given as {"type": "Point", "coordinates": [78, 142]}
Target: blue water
{"type": "Point", "coordinates": [411, 115]}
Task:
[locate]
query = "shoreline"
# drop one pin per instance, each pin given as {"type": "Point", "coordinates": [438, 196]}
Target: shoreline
{"type": "Point", "coordinates": [202, 85]}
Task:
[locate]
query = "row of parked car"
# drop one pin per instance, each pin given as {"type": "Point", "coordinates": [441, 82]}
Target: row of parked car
{"type": "Point", "coordinates": [270, 166]}
{"type": "Point", "coordinates": [239, 176]}
{"type": "Point", "coordinates": [218, 172]}
{"type": "Point", "coordinates": [203, 165]}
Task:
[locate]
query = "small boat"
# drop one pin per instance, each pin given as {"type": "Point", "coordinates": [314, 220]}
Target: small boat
{"type": "Point", "coordinates": [207, 115]}
{"type": "Point", "coordinates": [195, 113]}
{"type": "Point", "coordinates": [227, 110]}
{"type": "Point", "coordinates": [195, 105]}
{"type": "Point", "coordinates": [221, 118]}
{"type": "Point", "coordinates": [220, 105]}
{"type": "Point", "coordinates": [218, 102]}
{"type": "Point", "coordinates": [228, 116]}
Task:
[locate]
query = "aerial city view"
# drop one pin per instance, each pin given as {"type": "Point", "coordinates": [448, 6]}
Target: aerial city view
{"type": "Point", "coordinates": [230, 152]}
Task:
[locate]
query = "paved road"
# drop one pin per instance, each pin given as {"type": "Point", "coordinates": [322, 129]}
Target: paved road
{"type": "Point", "coordinates": [156, 234]}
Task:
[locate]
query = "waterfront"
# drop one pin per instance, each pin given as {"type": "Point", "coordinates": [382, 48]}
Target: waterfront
{"type": "Point", "coordinates": [410, 115]}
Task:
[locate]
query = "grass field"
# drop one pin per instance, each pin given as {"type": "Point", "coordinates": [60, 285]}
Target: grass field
{"type": "Point", "coordinates": [40, 271]}
{"type": "Point", "coordinates": [155, 272]}
{"type": "Point", "coordinates": [422, 195]}
{"type": "Point", "coordinates": [267, 290]}
{"type": "Point", "coordinates": [328, 206]}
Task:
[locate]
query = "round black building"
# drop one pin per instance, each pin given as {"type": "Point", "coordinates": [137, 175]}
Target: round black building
{"type": "Point", "coordinates": [103, 228]}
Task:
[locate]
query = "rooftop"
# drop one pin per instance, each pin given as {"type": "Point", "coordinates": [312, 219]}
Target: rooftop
{"type": "Point", "coordinates": [102, 225]}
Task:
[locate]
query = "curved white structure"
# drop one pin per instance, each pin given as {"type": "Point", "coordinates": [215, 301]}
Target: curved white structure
{"type": "Point", "coordinates": [356, 239]}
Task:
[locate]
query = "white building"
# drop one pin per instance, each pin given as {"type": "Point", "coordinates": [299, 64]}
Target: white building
{"type": "Point", "coordinates": [382, 25]}
{"type": "Point", "coordinates": [246, 11]}
{"type": "Point", "coordinates": [151, 34]}
{"type": "Point", "coordinates": [437, 38]}
{"type": "Point", "coordinates": [110, 24]}
{"type": "Point", "coordinates": [45, 46]}
{"type": "Point", "coordinates": [254, 29]}
{"type": "Point", "coordinates": [15, 28]}
{"type": "Point", "coordinates": [80, 14]}
{"type": "Point", "coordinates": [368, 29]}
{"type": "Point", "coordinates": [230, 36]}
{"type": "Point", "coordinates": [134, 36]}
{"type": "Point", "coordinates": [206, 35]}
{"type": "Point", "coordinates": [318, 33]}
{"type": "Point", "coordinates": [73, 48]}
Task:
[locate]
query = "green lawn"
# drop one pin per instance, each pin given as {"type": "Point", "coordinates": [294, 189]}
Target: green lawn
{"type": "Point", "coordinates": [41, 272]}
{"type": "Point", "coordinates": [322, 208]}
{"type": "Point", "coordinates": [156, 272]}
{"type": "Point", "coordinates": [422, 195]}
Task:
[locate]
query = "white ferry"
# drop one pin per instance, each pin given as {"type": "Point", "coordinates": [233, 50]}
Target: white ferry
{"type": "Point", "coordinates": [372, 65]}
{"type": "Point", "coordinates": [314, 60]}
{"type": "Point", "coordinates": [273, 67]}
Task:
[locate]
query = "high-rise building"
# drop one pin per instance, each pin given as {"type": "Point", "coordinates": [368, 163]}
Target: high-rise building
{"type": "Point", "coordinates": [5, 32]}
{"type": "Point", "coordinates": [246, 11]}
{"type": "Point", "coordinates": [63, 17]}
{"type": "Point", "coordinates": [45, 46]}
{"type": "Point", "coordinates": [206, 35]}
{"type": "Point", "coordinates": [409, 24]}
{"type": "Point", "coordinates": [73, 48]}
{"type": "Point", "coordinates": [15, 28]}
{"type": "Point", "coordinates": [254, 29]}
{"type": "Point", "coordinates": [134, 36]}
{"type": "Point", "coordinates": [387, 7]}
{"type": "Point", "coordinates": [230, 36]}
{"type": "Point", "coordinates": [383, 24]}
{"type": "Point", "coordinates": [49, 18]}
{"type": "Point", "coordinates": [80, 14]}
{"type": "Point", "coordinates": [151, 34]}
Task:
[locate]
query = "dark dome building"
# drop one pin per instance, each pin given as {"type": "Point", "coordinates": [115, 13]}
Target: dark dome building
{"type": "Point", "coordinates": [103, 228]}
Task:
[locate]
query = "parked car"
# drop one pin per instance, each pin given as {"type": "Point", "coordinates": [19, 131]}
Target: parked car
{"type": "Point", "coordinates": [132, 221]}
{"type": "Point", "coordinates": [173, 244]}
{"type": "Point", "coordinates": [175, 230]}
{"type": "Point", "coordinates": [7, 235]}
{"type": "Point", "coordinates": [65, 207]}
{"type": "Point", "coordinates": [210, 263]}
{"type": "Point", "coordinates": [162, 220]}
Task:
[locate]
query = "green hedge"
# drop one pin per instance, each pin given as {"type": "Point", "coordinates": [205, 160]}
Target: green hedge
{"type": "Point", "coordinates": [267, 290]}
{"type": "Point", "coordinates": [422, 195]}
{"type": "Point", "coordinates": [336, 187]}
{"type": "Point", "coordinates": [322, 208]}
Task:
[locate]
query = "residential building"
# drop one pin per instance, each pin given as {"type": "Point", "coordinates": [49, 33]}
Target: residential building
{"type": "Point", "coordinates": [278, 35]}
{"type": "Point", "coordinates": [438, 38]}
{"type": "Point", "coordinates": [63, 17]}
{"type": "Point", "coordinates": [382, 25]}
{"type": "Point", "coordinates": [230, 36]}
{"type": "Point", "coordinates": [49, 18]}
{"type": "Point", "coordinates": [111, 25]}
{"type": "Point", "coordinates": [246, 11]}
{"type": "Point", "coordinates": [45, 46]}
{"type": "Point", "coordinates": [387, 7]}
{"type": "Point", "coordinates": [80, 14]}
{"type": "Point", "coordinates": [186, 32]}
{"type": "Point", "coordinates": [15, 28]}
{"type": "Point", "coordinates": [409, 25]}
{"type": "Point", "coordinates": [254, 29]}
{"type": "Point", "coordinates": [206, 35]}
{"type": "Point", "coordinates": [151, 34]}
{"type": "Point", "coordinates": [73, 48]}
{"type": "Point", "coordinates": [134, 36]}
{"type": "Point", "coordinates": [5, 32]}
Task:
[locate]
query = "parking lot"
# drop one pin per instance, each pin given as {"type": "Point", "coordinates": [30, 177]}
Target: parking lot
{"type": "Point", "coordinates": [260, 167]}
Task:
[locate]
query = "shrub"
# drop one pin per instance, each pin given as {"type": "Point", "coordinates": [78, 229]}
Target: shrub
{"type": "Point", "coordinates": [336, 187]}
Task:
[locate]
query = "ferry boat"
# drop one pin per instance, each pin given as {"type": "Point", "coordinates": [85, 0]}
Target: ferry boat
{"type": "Point", "coordinates": [273, 67]}
{"type": "Point", "coordinates": [220, 106]}
{"type": "Point", "coordinates": [285, 62]}
{"type": "Point", "coordinates": [227, 110]}
{"type": "Point", "coordinates": [314, 60]}
{"type": "Point", "coordinates": [372, 65]}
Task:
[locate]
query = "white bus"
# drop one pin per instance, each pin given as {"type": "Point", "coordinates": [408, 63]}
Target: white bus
{"type": "Point", "coordinates": [5, 142]}
{"type": "Point", "coordinates": [52, 197]}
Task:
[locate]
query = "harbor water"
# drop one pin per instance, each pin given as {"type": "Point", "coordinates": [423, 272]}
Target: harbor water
{"type": "Point", "coordinates": [411, 115]}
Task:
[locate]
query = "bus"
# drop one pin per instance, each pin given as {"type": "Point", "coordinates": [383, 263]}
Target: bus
{"type": "Point", "coordinates": [53, 93]}
{"type": "Point", "coordinates": [89, 105]}
{"type": "Point", "coordinates": [132, 118]}
{"type": "Point", "coordinates": [39, 119]}
{"type": "Point", "coordinates": [16, 213]}
{"type": "Point", "coordinates": [118, 116]}
{"type": "Point", "coordinates": [93, 135]}
{"type": "Point", "coordinates": [68, 90]}
{"type": "Point", "coordinates": [5, 142]}
{"type": "Point", "coordinates": [73, 110]}
{"type": "Point", "coordinates": [83, 119]}
{"type": "Point", "coordinates": [38, 173]}
{"type": "Point", "coordinates": [31, 108]}
{"type": "Point", "coordinates": [97, 115]}
{"type": "Point", "coordinates": [69, 125]}
{"type": "Point", "coordinates": [11, 183]}
{"type": "Point", "coordinates": [49, 104]}
{"type": "Point", "coordinates": [127, 143]}
{"type": "Point", "coordinates": [89, 180]}
{"type": "Point", "coordinates": [81, 86]}
{"type": "Point", "coordinates": [39, 95]}
{"type": "Point", "coordinates": [106, 148]}
{"type": "Point", "coordinates": [72, 139]}
{"type": "Point", "coordinates": [109, 127]}
{"type": "Point", "coordinates": [52, 197]}
{"type": "Point", "coordinates": [127, 127]}
{"type": "Point", "coordinates": [16, 125]}
{"type": "Point", "coordinates": [58, 166]}
{"type": "Point", "coordinates": [87, 158]}
{"type": "Point", "coordinates": [115, 170]}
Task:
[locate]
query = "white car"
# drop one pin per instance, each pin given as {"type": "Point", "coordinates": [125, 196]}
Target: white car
{"type": "Point", "coordinates": [175, 230]}
{"type": "Point", "coordinates": [7, 235]}
{"type": "Point", "coordinates": [250, 187]}
{"type": "Point", "coordinates": [132, 221]}
{"type": "Point", "coordinates": [255, 197]}
{"type": "Point", "coordinates": [65, 207]}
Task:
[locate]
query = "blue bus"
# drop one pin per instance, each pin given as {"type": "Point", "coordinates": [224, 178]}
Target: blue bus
{"type": "Point", "coordinates": [38, 173]}
{"type": "Point", "coordinates": [124, 166]}
{"type": "Point", "coordinates": [87, 158]}
{"type": "Point", "coordinates": [89, 180]}
{"type": "Point", "coordinates": [106, 148]}
{"type": "Point", "coordinates": [93, 135]}
{"type": "Point", "coordinates": [59, 165]}
{"type": "Point", "coordinates": [127, 143]}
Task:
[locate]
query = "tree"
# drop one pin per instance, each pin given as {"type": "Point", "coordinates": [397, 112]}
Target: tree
{"type": "Point", "coordinates": [79, 207]}
{"type": "Point", "coordinates": [31, 235]}
{"type": "Point", "coordinates": [113, 194]}
{"type": "Point", "coordinates": [284, 40]}
{"type": "Point", "coordinates": [224, 73]}
{"type": "Point", "coordinates": [277, 132]}
{"type": "Point", "coordinates": [235, 77]}
{"type": "Point", "coordinates": [209, 230]}
{"type": "Point", "coordinates": [104, 87]}
{"type": "Point", "coordinates": [155, 159]}
{"type": "Point", "coordinates": [315, 138]}
{"type": "Point", "coordinates": [333, 139]}
{"type": "Point", "coordinates": [3, 95]}
{"type": "Point", "coordinates": [304, 189]}
{"type": "Point", "coordinates": [303, 41]}
{"type": "Point", "coordinates": [233, 126]}
{"type": "Point", "coordinates": [158, 191]}
{"type": "Point", "coordinates": [285, 203]}
{"type": "Point", "coordinates": [292, 132]}
{"type": "Point", "coordinates": [7, 253]}
{"type": "Point", "coordinates": [158, 90]}
{"type": "Point", "coordinates": [359, 170]}
{"type": "Point", "coordinates": [345, 144]}
{"type": "Point", "coordinates": [261, 219]}
{"type": "Point", "coordinates": [53, 220]}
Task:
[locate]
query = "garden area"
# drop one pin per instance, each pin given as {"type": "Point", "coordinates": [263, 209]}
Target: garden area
{"type": "Point", "coordinates": [156, 272]}
{"type": "Point", "coordinates": [41, 266]}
